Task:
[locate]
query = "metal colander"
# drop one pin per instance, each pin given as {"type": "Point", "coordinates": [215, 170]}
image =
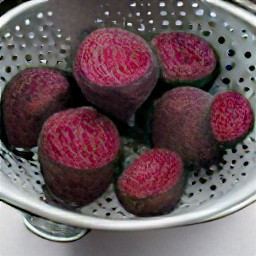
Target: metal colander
{"type": "Point", "coordinates": [46, 33]}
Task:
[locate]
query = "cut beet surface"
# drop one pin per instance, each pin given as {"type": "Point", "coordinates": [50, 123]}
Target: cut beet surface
{"type": "Point", "coordinates": [153, 184]}
{"type": "Point", "coordinates": [28, 100]}
{"type": "Point", "coordinates": [185, 59]}
{"type": "Point", "coordinates": [116, 71]}
{"type": "Point", "coordinates": [232, 117]}
{"type": "Point", "coordinates": [181, 123]}
{"type": "Point", "coordinates": [78, 150]}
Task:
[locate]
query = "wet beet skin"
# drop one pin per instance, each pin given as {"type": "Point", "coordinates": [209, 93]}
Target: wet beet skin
{"type": "Point", "coordinates": [78, 150]}
{"type": "Point", "coordinates": [185, 59]}
{"type": "Point", "coordinates": [181, 123]}
{"type": "Point", "coordinates": [28, 100]}
{"type": "Point", "coordinates": [231, 117]}
{"type": "Point", "coordinates": [116, 71]}
{"type": "Point", "coordinates": [153, 184]}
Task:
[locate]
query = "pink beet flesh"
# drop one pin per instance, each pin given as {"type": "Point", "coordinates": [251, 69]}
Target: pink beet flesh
{"type": "Point", "coordinates": [116, 71]}
{"type": "Point", "coordinates": [78, 150]}
{"type": "Point", "coordinates": [152, 174]}
{"type": "Point", "coordinates": [184, 57]}
{"type": "Point", "coordinates": [30, 98]}
{"type": "Point", "coordinates": [231, 116]}
{"type": "Point", "coordinates": [80, 138]}
{"type": "Point", "coordinates": [114, 57]}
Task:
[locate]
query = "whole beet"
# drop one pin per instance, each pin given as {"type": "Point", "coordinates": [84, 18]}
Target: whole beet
{"type": "Point", "coordinates": [185, 59]}
{"type": "Point", "coordinates": [153, 184]}
{"type": "Point", "coordinates": [231, 118]}
{"type": "Point", "coordinates": [78, 150]}
{"type": "Point", "coordinates": [116, 71]}
{"type": "Point", "coordinates": [28, 100]}
{"type": "Point", "coordinates": [181, 123]}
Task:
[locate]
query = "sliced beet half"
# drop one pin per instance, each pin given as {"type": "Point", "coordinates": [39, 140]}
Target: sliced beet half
{"type": "Point", "coordinates": [29, 99]}
{"type": "Point", "coordinates": [78, 151]}
{"type": "Point", "coordinates": [231, 117]}
{"type": "Point", "coordinates": [185, 59]}
{"type": "Point", "coordinates": [116, 71]}
{"type": "Point", "coordinates": [181, 123]}
{"type": "Point", "coordinates": [153, 184]}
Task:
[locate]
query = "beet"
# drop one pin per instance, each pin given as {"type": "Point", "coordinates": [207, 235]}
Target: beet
{"type": "Point", "coordinates": [78, 150]}
{"type": "Point", "coordinates": [185, 59]}
{"type": "Point", "coordinates": [28, 100]}
{"type": "Point", "coordinates": [116, 71]}
{"type": "Point", "coordinates": [231, 118]}
{"type": "Point", "coordinates": [181, 123]}
{"type": "Point", "coordinates": [153, 184]}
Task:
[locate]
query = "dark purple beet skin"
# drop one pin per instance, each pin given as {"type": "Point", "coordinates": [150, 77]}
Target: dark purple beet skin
{"type": "Point", "coordinates": [184, 57]}
{"type": "Point", "coordinates": [181, 123]}
{"type": "Point", "coordinates": [28, 100]}
{"type": "Point", "coordinates": [153, 184]}
{"type": "Point", "coordinates": [116, 71]}
{"type": "Point", "coordinates": [231, 118]}
{"type": "Point", "coordinates": [78, 151]}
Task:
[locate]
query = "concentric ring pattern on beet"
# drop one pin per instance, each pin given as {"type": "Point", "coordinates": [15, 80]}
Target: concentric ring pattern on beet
{"type": "Point", "coordinates": [232, 117]}
{"type": "Point", "coordinates": [116, 71]}
{"type": "Point", "coordinates": [78, 150]}
{"type": "Point", "coordinates": [185, 58]}
{"type": "Point", "coordinates": [29, 99]}
{"type": "Point", "coordinates": [152, 184]}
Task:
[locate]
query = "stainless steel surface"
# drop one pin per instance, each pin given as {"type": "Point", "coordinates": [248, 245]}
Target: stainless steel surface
{"type": "Point", "coordinates": [46, 33]}
{"type": "Point", "coordinates": [249, 5]}
{"type": "Point", "coordinates": [234, 235]}
{"type": "Point", "coordinates": [51, 230]}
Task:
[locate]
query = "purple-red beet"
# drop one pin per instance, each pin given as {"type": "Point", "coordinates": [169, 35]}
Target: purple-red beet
{"type": "Point", "coordinates": [185, 59]}
{"type": "Point", "coordinates": [231, 117]}
{"type": "Point", "coordinates": [29, 99]}
{"type": "Point", "coordinates": [116, 71]}
{"type": "Point", "coordinates": [181, 123]}
{"type": "Point", "coordinates": [153, 184]}
{"type": "Point", "coordinates": [78, 150]}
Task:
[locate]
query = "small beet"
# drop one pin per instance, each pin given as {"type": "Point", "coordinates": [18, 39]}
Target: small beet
{"type": "Point", "coordinates": [116, 71]}
{"type": "Point", "coordinates": [185, 59]}
{"type": "Point", "coordinates": [181, 123]}
{"type": "Point", "coordinates": [29, 99]}
{"type": "Point", "coordinates": [78, 150]}
{"type": "Point", "coordinates": [153, 184]}
{"type": "Point", "coordinates": [231, 118]}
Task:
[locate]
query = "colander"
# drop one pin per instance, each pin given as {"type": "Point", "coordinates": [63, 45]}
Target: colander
{"type": "Point", "coordinates": [46, 33]}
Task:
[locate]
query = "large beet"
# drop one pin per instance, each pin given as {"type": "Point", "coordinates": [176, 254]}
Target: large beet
{"type": "Point", "coordinates": [29, 99]}
{"type": "Point", "coordinates": [153, 184]}
{"type": "Point", "coordinates": [116, 71]}
{"type": "Point", "coordinates": [185, 59]}
{"type": "Point", "coordinates": [78, 150]}
{"type": "Point", "coordinates": [231, 117]}
{"type": "Point", "coordinates": [181, 123]}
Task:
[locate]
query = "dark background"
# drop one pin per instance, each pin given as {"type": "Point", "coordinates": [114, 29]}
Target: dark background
{"type": "Point", "coordinates": [5, 5]}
